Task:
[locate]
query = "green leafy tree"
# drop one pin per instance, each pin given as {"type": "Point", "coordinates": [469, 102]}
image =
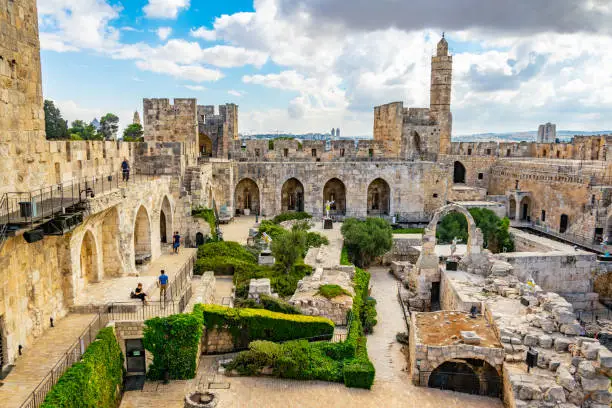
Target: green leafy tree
{"type": "Point", "coordinates": [55, 125]}
{"type": "Point", "coordinates": [133, 133]}
{"type": "Point", "coordinates": [109, 125]}
{"type": "Point", "coordinates": [494, 230]}
{"type": "Point", "coordinates": [289, 247]}
{"type": "Point", "coordinates": [366, 240]}
{"type": "Point", "coordinates": [84, 131]}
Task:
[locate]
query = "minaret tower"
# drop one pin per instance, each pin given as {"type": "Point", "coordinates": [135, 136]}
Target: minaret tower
{"type": "Point", "coordinates": [440, 93]}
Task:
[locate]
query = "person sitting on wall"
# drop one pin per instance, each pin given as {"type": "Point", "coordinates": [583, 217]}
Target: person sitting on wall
{"type": "Point", "coordinates": [139, 294]}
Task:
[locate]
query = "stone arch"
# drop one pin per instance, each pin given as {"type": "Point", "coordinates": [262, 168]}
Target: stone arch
{"type": "Point", "coordinates": [165, 221]}
{"type": "Point", "coordinates": [416, 143]}
{"type": "Point", "coordinates": [292, 195]}
{"type": "Point", "coordinates": [334, 190]}
{"type": "Point", "coordinates": [525, 209]}
{"type": "Point", "coordinates": [205, 145]}
{"type": "Point", "coordinates": [467, 375]}
{"type": "Point", "coordinates": [379, 197]}
{"type": "Point", "coordinates": [511, 208]}
{"type": "Point", "coordinates": [246, 196]}
{"type": "Point", "coordinates": [142, 235]}
{"type": "Point", "coordinates": [89, 259]}
{"type": "Point", "coordinates": [458, 172]}
{"type": "Point", "coordinates": [110, 244]}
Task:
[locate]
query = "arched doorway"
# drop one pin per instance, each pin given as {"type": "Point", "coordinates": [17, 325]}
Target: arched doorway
{"type": "Point", "coordinates": [334, 191]}
{"type": "Point", "coordinates": [165, 221]}
{"type": "Point", "coordinates": [142, 236]}
{"type": "Point", "coordinates": [525, 209]}
{"type": "Point", "coordinates": [199, 239]}
{"type": "Point", "coordinates": [458, 173]}
{"type": "Point", "coordinates": [292, 195]}
{"type": "Point", "coordinates": [111, 258]}
{"type": "Point", "coordinates": [246, 196]}
{"type": "Point", "coordinates": [205, 145]}
{"type": "Point", "coordinates": [512, 208]}
{"type": "Point", "coordinates": [470, 376]}
{"type": "Point", "coordinates": [89, 258]}
{"type": "Point", "coordinates": [564, 223]}
{"type": "Point", "coordinates": [379, 197]}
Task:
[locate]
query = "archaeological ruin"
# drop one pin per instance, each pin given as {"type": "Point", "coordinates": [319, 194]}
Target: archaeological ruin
{"type": "Point", "coordinates": [76, 236]}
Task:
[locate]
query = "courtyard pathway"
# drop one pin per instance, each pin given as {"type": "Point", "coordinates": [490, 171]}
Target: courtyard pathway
{"type": "Point", "coordinates": [40, 357]}
{"type": "Point", "coordinates": [329, 255]}
{"type": "Point", "coordinates": [392, 387]}
{"type": "Point", "coordinates": [238, 229]}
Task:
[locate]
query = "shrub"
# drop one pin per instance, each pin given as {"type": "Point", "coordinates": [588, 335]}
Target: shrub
{"type": "Point", "coordinates": [331, 291]}
{"type": "Point", "coordinates": [221, 265]}
{"type": "Point", "coordinates": [95, 381]}
{"type": "Point", "coordinates": [247, 325]}
{"type": "Point", "coordinates": [278, 305]}
{"type": "Point", "coordinates": [359, 373]}
{"type": "Point", "coordinates": [209, 215]}
{"type": "Point", "coordinates": [368, 315]}
{"type": "Point", "coordinates": [228, 249]}
{"type": "Point", "coordinates": [173, 341]}
{"type": "Point", "coordinates": [286, 216]}
{"type": "Point", "coordinates": [289, 247]}
{"type": "Point", "coordinates": [270, 228]}
{"type": "Point", "coordinates": [315, 240]}
{"type": "Point", "coordinates": [366, 240]}
{"type": "Point", "coordinates": [344, 259]}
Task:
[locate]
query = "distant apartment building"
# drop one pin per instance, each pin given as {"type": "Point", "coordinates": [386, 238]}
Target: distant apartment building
{"type": "Point", "coordinates": [547, 133]}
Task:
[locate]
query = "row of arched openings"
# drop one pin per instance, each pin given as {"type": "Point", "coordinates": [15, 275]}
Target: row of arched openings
{"type": "Point", "coordinates": [247, 196]}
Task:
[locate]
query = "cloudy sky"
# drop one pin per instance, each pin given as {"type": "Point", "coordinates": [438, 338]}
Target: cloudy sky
{"type": "Point", "coordinates": [309, 65]}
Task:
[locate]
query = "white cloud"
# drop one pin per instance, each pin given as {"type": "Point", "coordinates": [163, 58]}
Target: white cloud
{"type": "Point", "coordinates": [128, 28]}
{"type": "Point", "coordinates": [77, 24]}
{"type": "Point", "coordinates": [235, 93]}
{"type": "Point", "coordinates": [195, 73]}
{"type": "Point", "coordinates": [165, 9]}
{"type": "Point", "coordinates": [164, 32]}
{"type": "Point", "coordinates": [203, 33]}
{"type": "Point", "coordinates": [198, 88]}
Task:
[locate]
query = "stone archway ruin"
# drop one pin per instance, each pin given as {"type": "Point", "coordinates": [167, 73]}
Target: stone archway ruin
{"type": "Point", "coordinates": [142, 236]}
{"type": "Point", "coordinates": [470, 375]}
{"type": "Point", "coordinates": [246, 196]}
{"type": "Point", "coordinates": [427, 265]}
{"type": "Point", "coordinates": [335, 191]}
{"type": "Point", "coordinates": [165, 221]}
{"type": "Point", "coordinates": [110, 244]}
{"type": "Point", "coordinates": [292, 195]}
{"type": "Point", "coordinates": [379, 197]}
{"type": "Point", "coordinates": [458, 173]}
{"type": "Point", "coordinates": [89, 259]}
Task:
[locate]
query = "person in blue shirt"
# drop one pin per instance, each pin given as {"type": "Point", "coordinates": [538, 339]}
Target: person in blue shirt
{"type": "Point", "coordinates": [176, 242]}
{"type": "Point", "coordinates": [163, 284]}
{"type": "Point", "coordinates": [125, 169]}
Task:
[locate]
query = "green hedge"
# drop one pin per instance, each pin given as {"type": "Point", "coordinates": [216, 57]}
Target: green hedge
{"type": "Point", "coordinates": [269, 303]}
{"type": "Point", "coordinates": [286, 216]}
{"type": "Point", "coordinates": [359, 373]}
{"type": "Point", "coordinates": [368, 315]}
{"type": "Point", "coordinates": [209, 215]}
{"type": "Point", "coordinates": [344, 259]}
{"type": "Point", "coordinates": [247, 325]}
{"type": "Point", "coordinates": [95, 381]}
{"type": "Point", "coordinates": [227, 249]}
{"type": "Point", "coordinates": [173, 341]}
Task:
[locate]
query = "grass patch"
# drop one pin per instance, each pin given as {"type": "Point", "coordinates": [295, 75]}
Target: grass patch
{"type": "Point", "coordinates": [409, 231]}
{"type": "Point", "coordinates": [331, 291]}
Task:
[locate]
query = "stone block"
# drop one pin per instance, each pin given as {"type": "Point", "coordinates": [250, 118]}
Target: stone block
{"type": "Point", "coordinates": [515, 340]}
{"type": "Point", "coordinates": [605, 359]}
{"type": "Point", "coordinates": [590, 350]}
{"type": "Point", "coordinates": [529, 391]}
{"type": "Point", "coordinates": [571, 329]}
{"type": "Point", "coordinates": [565, 379]}
{"type": "Point", "coordinates": [545, 341]}
{"type": "Point", "coordinates": [586, 369]}
{"type": "Point", "coordinates": [555, 394]}
{"type": "Point", "coordinates": [530, 340]}
{"type": "Point", "coordinates": [470, 337]}
{"type": "Point", "coordinates": [561, 344]}
{"type": "Point", "coordinates": [602, 397]}
{"type": "Point", "coordinates": [597, 383]}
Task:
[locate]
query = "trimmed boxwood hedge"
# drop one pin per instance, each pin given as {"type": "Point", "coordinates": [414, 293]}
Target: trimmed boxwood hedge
{"type": "Point", "coordinates": [247, 325]}
{"type": "Point", "coordinates": [173, 341]}
{"type": "Point", "coordinates": [294, 215]}
{"type": "Point", "coordinates": [95, 381]}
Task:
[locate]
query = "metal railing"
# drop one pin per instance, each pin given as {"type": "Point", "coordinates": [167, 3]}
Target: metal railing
{"type": "Point", "coordinates": [72, 355]}
{"type": "Point", "coordinates": [405, 312]}
{"type": "Point", "coordinates": [27, 209]}
{"type": "Point", "coordinates": [581, 241]}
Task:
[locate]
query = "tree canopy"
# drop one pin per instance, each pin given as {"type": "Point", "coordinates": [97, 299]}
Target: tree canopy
{"type": "Point", "coordinates": [366, 240]}
{"type": "Point", "coordinates": [494, 230]}
{"type": "Point", "coordinates": [84, 131]}
{"type": "Point", "coordinates": [289, 247]}
{"type": "Point", "coordinates": [133, 133]}
{"type": "Point", "coordinates": [109, 125]}
{"type": "Point", "coordinates": [55, 125]}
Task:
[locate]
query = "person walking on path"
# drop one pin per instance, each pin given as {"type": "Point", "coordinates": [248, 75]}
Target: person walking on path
{"type": "Point", "coordinates": [163, 284]}
{"type": "Point", "coordinates": [125, 170]}
{"type": "Point", "coordinates": [176, 242]}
